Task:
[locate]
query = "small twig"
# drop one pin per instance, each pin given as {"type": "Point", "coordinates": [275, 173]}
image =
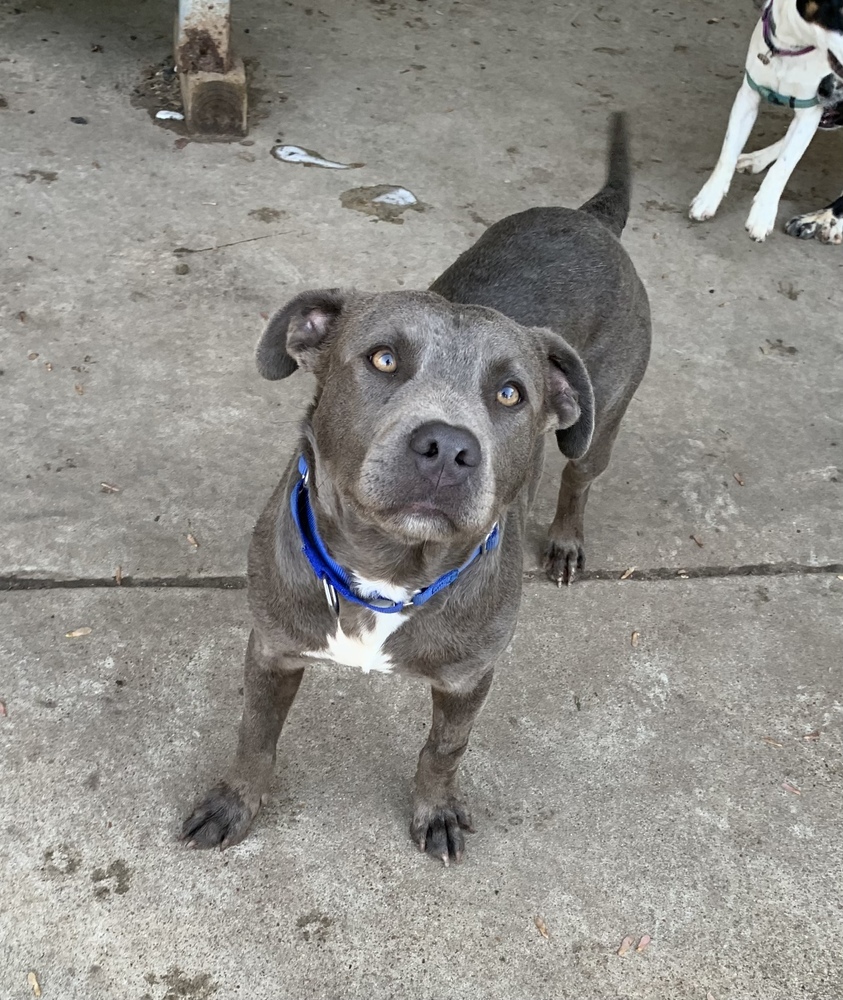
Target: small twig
{"type": "Point", "coordinates": [179, 251]}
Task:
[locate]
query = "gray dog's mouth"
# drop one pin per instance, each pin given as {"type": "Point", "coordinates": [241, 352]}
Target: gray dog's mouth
{"type": "Point", "coordinates": [423, 521]}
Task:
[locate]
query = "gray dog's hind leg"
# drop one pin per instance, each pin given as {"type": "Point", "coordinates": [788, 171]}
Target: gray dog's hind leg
{"type": "Point", "coordinates": [439, 815]}
{"type": "Point", "coordinates": [564, 553]}
{"type": "Point", "coordinates": [224, 815]}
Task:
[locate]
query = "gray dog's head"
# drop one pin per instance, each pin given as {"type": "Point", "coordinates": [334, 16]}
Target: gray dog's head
{"type": "Point", "coordinates": [426, 413]}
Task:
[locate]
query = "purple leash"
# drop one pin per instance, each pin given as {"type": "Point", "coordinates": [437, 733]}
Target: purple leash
{"type": "Point", "coordinates": [769, 27]}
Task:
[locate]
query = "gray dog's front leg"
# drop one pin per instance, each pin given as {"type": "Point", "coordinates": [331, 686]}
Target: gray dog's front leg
{"type": "Point", "coordinates": [224, 815]}
{"type": "Point", "coordinates": [439, 815]}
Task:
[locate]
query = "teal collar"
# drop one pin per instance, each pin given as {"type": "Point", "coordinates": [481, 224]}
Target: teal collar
{"type": "Point", "coordinates": [786, 102]}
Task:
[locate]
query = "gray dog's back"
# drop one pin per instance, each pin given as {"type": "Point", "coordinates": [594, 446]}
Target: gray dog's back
{"type": "Point", "coordinates": [565, 269]}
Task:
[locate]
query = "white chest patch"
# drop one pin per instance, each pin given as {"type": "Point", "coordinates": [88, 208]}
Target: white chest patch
{"type": "Point", "coordinates": [366, 650]}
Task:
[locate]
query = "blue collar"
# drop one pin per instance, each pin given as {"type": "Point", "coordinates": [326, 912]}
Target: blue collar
{"type": "Point", "coordinates": [336, 580]}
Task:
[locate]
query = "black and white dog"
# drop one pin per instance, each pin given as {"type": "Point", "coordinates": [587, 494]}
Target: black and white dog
{"type": "Point", "coordinates": [793, 47]}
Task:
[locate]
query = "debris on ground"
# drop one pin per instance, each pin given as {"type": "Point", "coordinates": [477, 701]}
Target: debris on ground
{"type": "Point", "coordinates": [77, 632]}
{"type": "Point", "coordinates": [166, 115]}
{"type": "Point", "coordinates": [627, 573]}
{"type": "Point", "coordinates": [309, 158]}
{"type": "Point", "coordinates": [32, 979]}
{"type": "Point", "coordinates": [118, 575]}
{"type": "Point", "coordinates": [79, 120]}
{"type": "Point", "coordinates": [643, 944]}
{"type": "Point", "coordinates": [541, 926]}
{"type": "Point", "coordinates": [635, 638]}
{"type": "Point", "coordinates": [386, 202]}
{"type": "Point", "coordinates": [812, 737]}
{"type": "Point", "coordinates": [626, 945]}
{"type": "Point", "coordinates": [771, 742]}
{"type": "Point", "coordinates": [192, 541]}
{"type": "Point", "coordinates": [786, 785]}
{"type": "Point", "coordinates": [698, 541]}
{"type": "Point", "coordinates": [4, 712]}
{"type": "Point", "coordinates": [109, 488]}
{"type": "Point", "coordinates": [738, 479]}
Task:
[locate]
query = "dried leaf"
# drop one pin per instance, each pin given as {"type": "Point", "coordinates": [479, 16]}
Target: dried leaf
{"type": "Point", "coordinates": [109, 488]}
{"type": "Point", "coordinates": [644, 942]}
{"type": "Point", "coordinates": [786, 785]}
{"type": "Point", "coordinates": [193, 541]}
{"type": "Point", "coordinates": [118, 575]}
{"type": "Point", "coordinates": [3, 710]}
{"type": "Point", "coordinates": [542, 926]}
{"type": "Point", "coordinates": [626, 945]}
{"type": "Point", "coordinates": [627, 573]}
{"type": "Point", "coordinates": [77, 632]}
{"type": "Point", "coordinates": [634, 638]}
{"type": "Point", "coordinates": [697, 540]}
{"type": "Point", "coordinates": [738, 479]}
{"type": "Point", "coordinates": [812, 737]}
{"type": "Point", "coordinates": [32, 979]}
{"type": "Point", "coordinates": [32, 356]}
{"type": "Point", "coordinates": [264, 316]}
{"type": "Point", "coordinates": [771, 742]}
{"type": "Point", "coordinates": [80, 389]}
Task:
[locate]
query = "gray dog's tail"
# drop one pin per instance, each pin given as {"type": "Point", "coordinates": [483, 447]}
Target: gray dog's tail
{"type": "Point", "coordinates": [611, 203]}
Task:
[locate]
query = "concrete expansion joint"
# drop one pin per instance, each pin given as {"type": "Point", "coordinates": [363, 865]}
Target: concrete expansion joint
{"type": "Point", "coordinates": [660, 573]}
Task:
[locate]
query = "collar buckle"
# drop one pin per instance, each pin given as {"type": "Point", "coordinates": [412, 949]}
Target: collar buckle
{"type": "Point", "coordinates": [332, 596]}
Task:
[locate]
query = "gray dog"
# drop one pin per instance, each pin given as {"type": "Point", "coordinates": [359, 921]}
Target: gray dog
{"type": "Point", "coordinates": [394, 541]}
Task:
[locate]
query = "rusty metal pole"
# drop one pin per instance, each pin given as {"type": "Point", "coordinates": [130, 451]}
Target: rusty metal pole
{"type": "Point", "coordinates": [213, 79]}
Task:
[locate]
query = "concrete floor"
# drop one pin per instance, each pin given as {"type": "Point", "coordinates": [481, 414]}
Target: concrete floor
{"type": "Point", "coordinates": [665, 789]}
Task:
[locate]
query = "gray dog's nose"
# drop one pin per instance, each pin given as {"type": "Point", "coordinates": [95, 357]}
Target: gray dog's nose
{"type": "Point", "coordinates": [445, 455]}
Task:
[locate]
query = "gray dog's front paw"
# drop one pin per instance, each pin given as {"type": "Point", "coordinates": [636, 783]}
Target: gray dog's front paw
{"type": "Point", "coordinates": [221, 819]}
{"type": "Point", "coordinates": [439, 831]}
{"type": "Point", "coordinates": [563, 560]}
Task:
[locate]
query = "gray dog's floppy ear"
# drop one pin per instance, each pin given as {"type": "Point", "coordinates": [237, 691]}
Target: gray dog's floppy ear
{"type": "Point", "coordinates": [295, 334]}
{"type": "Point", "coordinates": [569, 397]}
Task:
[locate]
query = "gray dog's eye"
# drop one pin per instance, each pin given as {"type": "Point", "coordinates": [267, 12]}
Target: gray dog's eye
{"type": "Point", "coordinates": [384, 360]}
{"type": "Point", "coordinates": [508, 395]}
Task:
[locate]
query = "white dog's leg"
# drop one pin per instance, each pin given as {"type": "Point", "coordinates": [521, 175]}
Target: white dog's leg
{"type": "Point", "coordinates": [742, 118]}
{"type": "Point", "coordinates": [754, 163]}
{"type": "Point", "coordinates": [762, 218]}
{"type": "Point", "coordinates": [826, 225]}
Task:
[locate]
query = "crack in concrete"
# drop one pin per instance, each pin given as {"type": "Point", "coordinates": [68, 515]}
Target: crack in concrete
{"type": "Point", "coordinates": [13, 582]}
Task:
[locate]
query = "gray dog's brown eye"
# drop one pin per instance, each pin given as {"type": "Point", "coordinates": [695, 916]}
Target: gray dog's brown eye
{"type": "Point", "coordinates": [508, 395]}
{"type": "Point", "coordinates": [384, 360]}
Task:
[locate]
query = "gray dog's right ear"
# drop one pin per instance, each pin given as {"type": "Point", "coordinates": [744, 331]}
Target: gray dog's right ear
{"type": "Point", "coordinates": [296, 334]}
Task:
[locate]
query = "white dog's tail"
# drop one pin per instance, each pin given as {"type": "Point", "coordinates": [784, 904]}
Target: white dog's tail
{"type": "Point", "coordinates": [611, 203]}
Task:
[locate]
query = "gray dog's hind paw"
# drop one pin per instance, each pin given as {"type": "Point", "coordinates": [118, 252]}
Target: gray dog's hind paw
{"type": "Point", "coordinates": [562, 561]}
{"type": "Point", "coordinates": [221, 819]}
{"type": "Point", "coordinates": [439, 832]}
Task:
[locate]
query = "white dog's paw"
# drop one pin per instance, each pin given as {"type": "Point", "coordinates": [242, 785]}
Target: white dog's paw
{"type": "Point", "coordinates": [707, 201]}
{"type": "Point", "coordinates": [761, 221]}
{"type": "Point", "coordinates": [823, 225]}
{"type": "Point", "coordinates": [753, 163]}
